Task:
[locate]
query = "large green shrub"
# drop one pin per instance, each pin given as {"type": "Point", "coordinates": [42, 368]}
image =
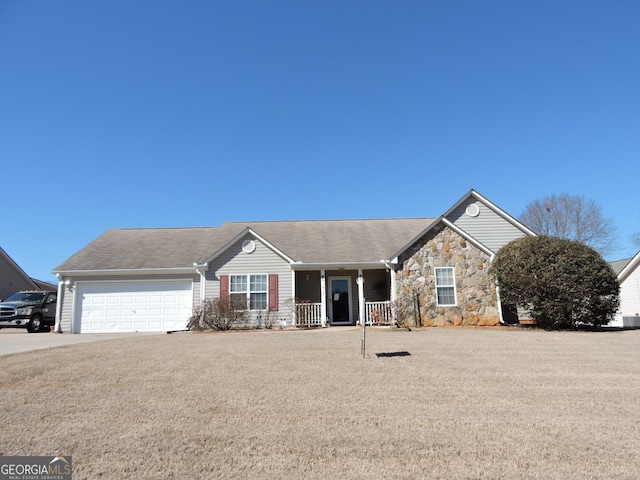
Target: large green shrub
{"type": "Point", "coordinates": [563, 283]}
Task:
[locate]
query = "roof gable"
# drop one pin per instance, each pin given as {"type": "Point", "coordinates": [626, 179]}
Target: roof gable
{"type": "Point", "coordinates": [485, 222]}
{"type": "Point", "coordinates": [12, 277]}
{"type": "Point", "coordinates": [462, 233]}
{"type": "Point", "coordinates": [629, 268]}
{"type": "Point", "coordinates": [239, 236]}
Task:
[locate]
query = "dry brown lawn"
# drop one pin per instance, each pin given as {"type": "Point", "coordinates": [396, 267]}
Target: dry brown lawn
{"type": "Point", "coordinates": [466, 403]}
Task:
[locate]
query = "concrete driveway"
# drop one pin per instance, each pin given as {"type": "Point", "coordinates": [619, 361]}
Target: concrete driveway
{"type": "Point", "coordinates": [16, 340]}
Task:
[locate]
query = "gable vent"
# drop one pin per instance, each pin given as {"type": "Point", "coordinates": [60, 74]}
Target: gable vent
{"type": "Point", "coordinates": [473, 210]}
{"type": "Point", "coordinates": [248, 246]}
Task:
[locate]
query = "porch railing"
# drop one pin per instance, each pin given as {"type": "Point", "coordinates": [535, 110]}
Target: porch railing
{"type": "Point", "coordinates": [378, 313]}
{"type": "Point", "coordinates": [308, 315]}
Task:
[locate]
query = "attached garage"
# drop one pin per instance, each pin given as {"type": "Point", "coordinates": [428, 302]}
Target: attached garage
{"type": "Point", "coordinates": [152, 306]}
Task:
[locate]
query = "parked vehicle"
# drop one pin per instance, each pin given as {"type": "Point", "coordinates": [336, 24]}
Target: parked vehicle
{"type": "Point", "coordinates": [35, 310]}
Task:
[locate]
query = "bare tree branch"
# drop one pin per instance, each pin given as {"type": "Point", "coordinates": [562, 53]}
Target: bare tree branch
{"type": "Point", "coordinates": [572, 217]}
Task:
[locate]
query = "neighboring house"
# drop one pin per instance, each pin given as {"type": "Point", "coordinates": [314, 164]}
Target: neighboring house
{"type": "Point", "coordinates": [628, 271]}
{"type": "Point", "coordinates": [13, 279]}
{"type": "Point", "coordinates": [430, 271]}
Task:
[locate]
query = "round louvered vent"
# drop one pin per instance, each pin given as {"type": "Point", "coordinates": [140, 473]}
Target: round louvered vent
{"type": "Point", "coordinates": [248, 246]}
{"type": "Point", "coordinates": [472, 210]}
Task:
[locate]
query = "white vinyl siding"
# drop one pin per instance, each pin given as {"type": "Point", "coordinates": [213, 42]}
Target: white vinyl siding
{"type": "Point", "coordinates": [445, 286]}
{"type": "Point", "coordinates": [262, 261]}
{"type": "Point", "coordinates": [630, 294]}
{"type": "Point", "coordinates": [487, 227]}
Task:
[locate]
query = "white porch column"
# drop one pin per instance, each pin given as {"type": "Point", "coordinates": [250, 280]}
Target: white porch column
{"type": "Point", "coordinates": [392, 275]}
{"type": "Point", "coordinates": [360, 282]}
{"type": "Point", "coordinates": [323, 299]}
{"type": "Point", "coordinates": [293, 296]}
{"type": "Point", "coordinates": [392, 294]}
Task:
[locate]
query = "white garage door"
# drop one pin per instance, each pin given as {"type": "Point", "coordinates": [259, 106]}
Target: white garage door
{"type": "Point", "coordinates": [133, 306]}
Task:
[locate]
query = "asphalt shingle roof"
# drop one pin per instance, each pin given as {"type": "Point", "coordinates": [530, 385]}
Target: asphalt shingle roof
{"type": "Point", "coordinates": [334, 241]}
{"type": "Point", "coordinates": [618, 265]}
{"type": "Point", "coordinates": [307, 241]}
{"type": "Point", "coordinates": [124, 249]}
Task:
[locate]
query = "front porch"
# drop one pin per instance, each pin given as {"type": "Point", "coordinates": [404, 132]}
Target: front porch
{"type": "Point", "coordinates": [343, 297]}
{"type": "Point", "coordinates": [309, 315]}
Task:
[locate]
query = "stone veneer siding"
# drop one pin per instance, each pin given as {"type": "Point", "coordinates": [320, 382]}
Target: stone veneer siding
{"type": "Point", "coordinates": [477, 302]}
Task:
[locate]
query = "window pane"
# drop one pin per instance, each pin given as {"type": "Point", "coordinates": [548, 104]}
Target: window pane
{"type": "Point", "coordinates": [238, 283]}
{"type": "Point", "coordinates": [258, 301]}
{"type": "Point", "coordinates": [258, 283]}
{"type": "Point", "coordinates": [446, 296]}
{"type": "Point", "coordinates": [444, 276]}
{"type": "Point", "coordinates": [242, 296]}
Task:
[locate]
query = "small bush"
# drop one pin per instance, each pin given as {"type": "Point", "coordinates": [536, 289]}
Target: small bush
{"type": "Point", "coordinates": [406, 312]}
{"type": "Point", "coordinates": [219, 314]}
{"type": "Point", "coordinates": [267, 319]}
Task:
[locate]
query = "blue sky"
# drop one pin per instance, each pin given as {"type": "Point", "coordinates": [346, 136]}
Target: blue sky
{"type": "Point", "coordinates": [171, 114]}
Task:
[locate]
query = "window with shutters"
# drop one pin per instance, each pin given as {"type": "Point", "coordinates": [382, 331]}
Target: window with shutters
{"type": "Point", "coordinates": [252, 287]}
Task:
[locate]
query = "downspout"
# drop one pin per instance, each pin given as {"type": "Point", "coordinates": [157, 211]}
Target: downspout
{"type": "Point", "coordinates": [499, 302]}
{"type": "Point", "coordinates": [201, 269]}
{"type": "Point", "coordinates": [57, 327]}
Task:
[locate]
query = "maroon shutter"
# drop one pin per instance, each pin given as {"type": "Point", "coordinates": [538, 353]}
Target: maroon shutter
{"type": "Point", "coordinates": [273, 293]}
{"type": "Point", "coordinates": [224, 286]}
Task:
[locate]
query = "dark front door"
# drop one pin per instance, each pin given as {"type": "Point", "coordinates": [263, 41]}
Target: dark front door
{"type": "Point", "coordinates": [340, 301]}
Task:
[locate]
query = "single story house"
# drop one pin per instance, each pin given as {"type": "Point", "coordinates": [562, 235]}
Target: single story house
{"type": "Point", "coordinates": [628, 314]}
{"type": "Point", "coordinates": [308, 273]}
{"type": "Point", "coordinates": [13, 279]}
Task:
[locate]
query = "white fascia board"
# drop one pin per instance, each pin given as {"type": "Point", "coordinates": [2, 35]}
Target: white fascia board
{"type": "Point", "coordinates": [125, 272]}
{"type": "Point", "coordinates": [629, 268]}
{"type": "Point", "coordinates": [457, 204]}
{"type": "Point", "coordinates": [462, 233]}
{"type": "Point", "coordinates": [492, 206]}
{"type": "Point", "coordinates": [244, 232]}
{"type": "Point", "coordinates": [469, 238]}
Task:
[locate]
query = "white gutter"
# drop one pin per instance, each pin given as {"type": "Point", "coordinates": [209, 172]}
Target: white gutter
{"type": "Point", "coordinates": [125, 271]}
